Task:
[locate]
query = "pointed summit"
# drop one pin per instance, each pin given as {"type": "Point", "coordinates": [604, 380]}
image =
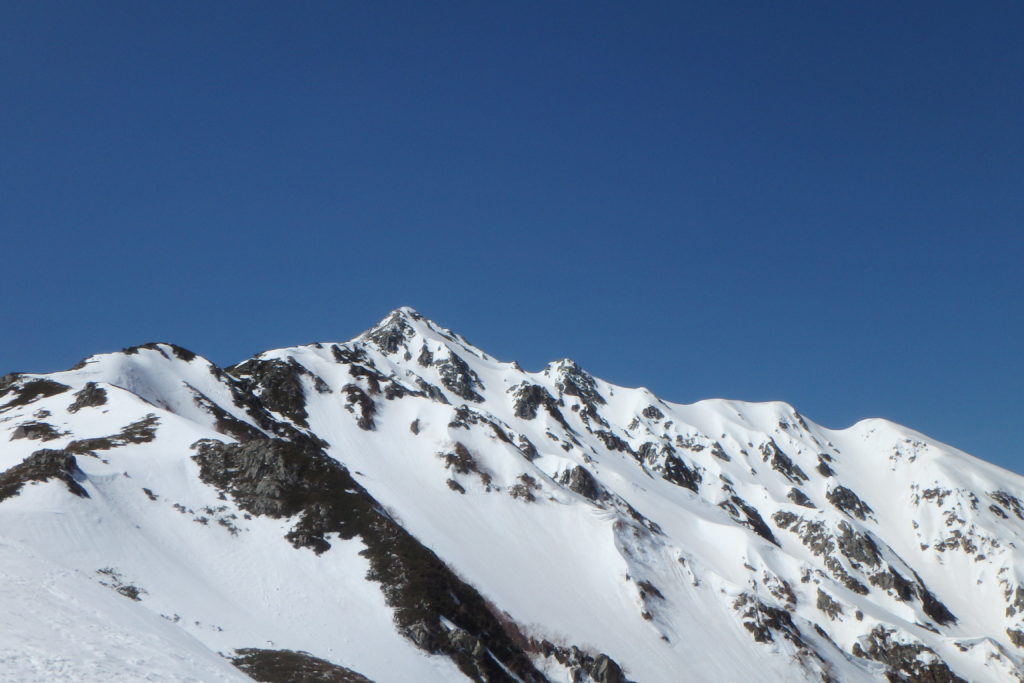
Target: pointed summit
{"type": "Point", "coordinates": [403, 324]}
{"type": "Point", "coordinates": [407, 312]}
{"type": "Point", "coordinates": [572, 380]}
{"type": "Point", "coordinates": [397, 328]}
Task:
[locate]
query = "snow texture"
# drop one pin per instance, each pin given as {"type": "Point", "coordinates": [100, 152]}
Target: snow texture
{"type": "Point", "coordinates": [601, 526]}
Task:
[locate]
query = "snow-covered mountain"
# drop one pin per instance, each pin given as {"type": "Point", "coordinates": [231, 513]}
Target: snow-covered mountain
{"type": "Point", "coordinates": [403, 507]}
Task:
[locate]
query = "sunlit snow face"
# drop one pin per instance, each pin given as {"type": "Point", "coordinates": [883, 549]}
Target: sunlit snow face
{"type": "Point", "coordinates": [258, 508]}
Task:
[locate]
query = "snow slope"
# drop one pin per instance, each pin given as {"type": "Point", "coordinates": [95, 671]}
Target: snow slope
{"type": "Point", "coordinates": [407, 507]}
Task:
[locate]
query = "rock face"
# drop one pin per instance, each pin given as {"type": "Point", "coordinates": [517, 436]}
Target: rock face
{"type": "Point", "coordinates": [299, 481]}
{"type": "Point", "coordinates": [907, 660]}
{"type": "Point", "coordinates": [406, 507]}
{"type": "Point", "coordinates": [43, 465]}
{"type": "Point", "coordinates": [90, 396]}
{"type": "Point", "coordinates": [19, 390]}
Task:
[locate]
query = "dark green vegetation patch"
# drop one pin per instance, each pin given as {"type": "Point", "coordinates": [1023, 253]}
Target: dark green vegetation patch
{"type": "Point", "coordinates": [289, 666]}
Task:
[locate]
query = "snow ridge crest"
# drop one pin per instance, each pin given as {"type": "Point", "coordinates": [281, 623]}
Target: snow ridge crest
{"type": "Point", "coordinates": [492, 524]}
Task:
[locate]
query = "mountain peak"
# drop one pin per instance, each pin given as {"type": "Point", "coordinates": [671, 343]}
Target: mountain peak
{"type": "Point", "coordinates": [604, 526]}
{"type": "Point", "coordinates": [400, 327]}
{"type": "Point", "coordinates": [405, 313]}
{"type": "Point", "coordinates": [395, 329]}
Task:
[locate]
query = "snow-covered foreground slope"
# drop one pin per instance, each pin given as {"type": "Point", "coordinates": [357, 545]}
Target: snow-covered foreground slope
{"type": "Point", "coordinates": [403, 507]}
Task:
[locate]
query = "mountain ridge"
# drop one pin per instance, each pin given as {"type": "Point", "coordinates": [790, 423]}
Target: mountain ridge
{"type": "Point", "coordinates": [499, 524]}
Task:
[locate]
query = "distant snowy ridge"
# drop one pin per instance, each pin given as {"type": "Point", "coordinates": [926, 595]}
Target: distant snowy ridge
{"type": "Point", "coordinates": [404, 507]}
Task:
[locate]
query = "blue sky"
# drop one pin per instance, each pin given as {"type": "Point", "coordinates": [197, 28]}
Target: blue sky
{"type": "Point", "coordinates": [814, 202]}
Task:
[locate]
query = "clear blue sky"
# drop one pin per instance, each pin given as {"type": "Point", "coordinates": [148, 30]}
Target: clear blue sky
{"type": "Point", "coordinates": [815, 202]}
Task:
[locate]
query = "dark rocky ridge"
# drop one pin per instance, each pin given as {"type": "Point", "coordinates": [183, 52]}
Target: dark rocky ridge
{"type": "Point", "coordinates": [750, 517]}
{"type": "Point", "coordinates": [278, 384]}
{"type": "Point", "coordinates": [90, 396]}
{"type": "Point", "coordinates": [140, 431]}
{"type": "Point", "coordinates": [41, 431]}
{"type": "Point", "coordinates": [392, 333]}
{"type": "Point", "coordinates": [294, 478]}
{"type": "Point", "coordinates": [41, 466]}
{"type": "Point", "coordinates": [583, 665]}
{"type": "Point", "coordinates": [458, 378]}
{"type": "Point", "coordinates": [572, 380]}
{"type": "Point", "coordinates": [849, 502]}
{"type": "Point", "coordinates": [297, 480]}
{"type": "Point", "coordinates": [19, 390]}
{"type": "Point", "coordinates": [904, 659]}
